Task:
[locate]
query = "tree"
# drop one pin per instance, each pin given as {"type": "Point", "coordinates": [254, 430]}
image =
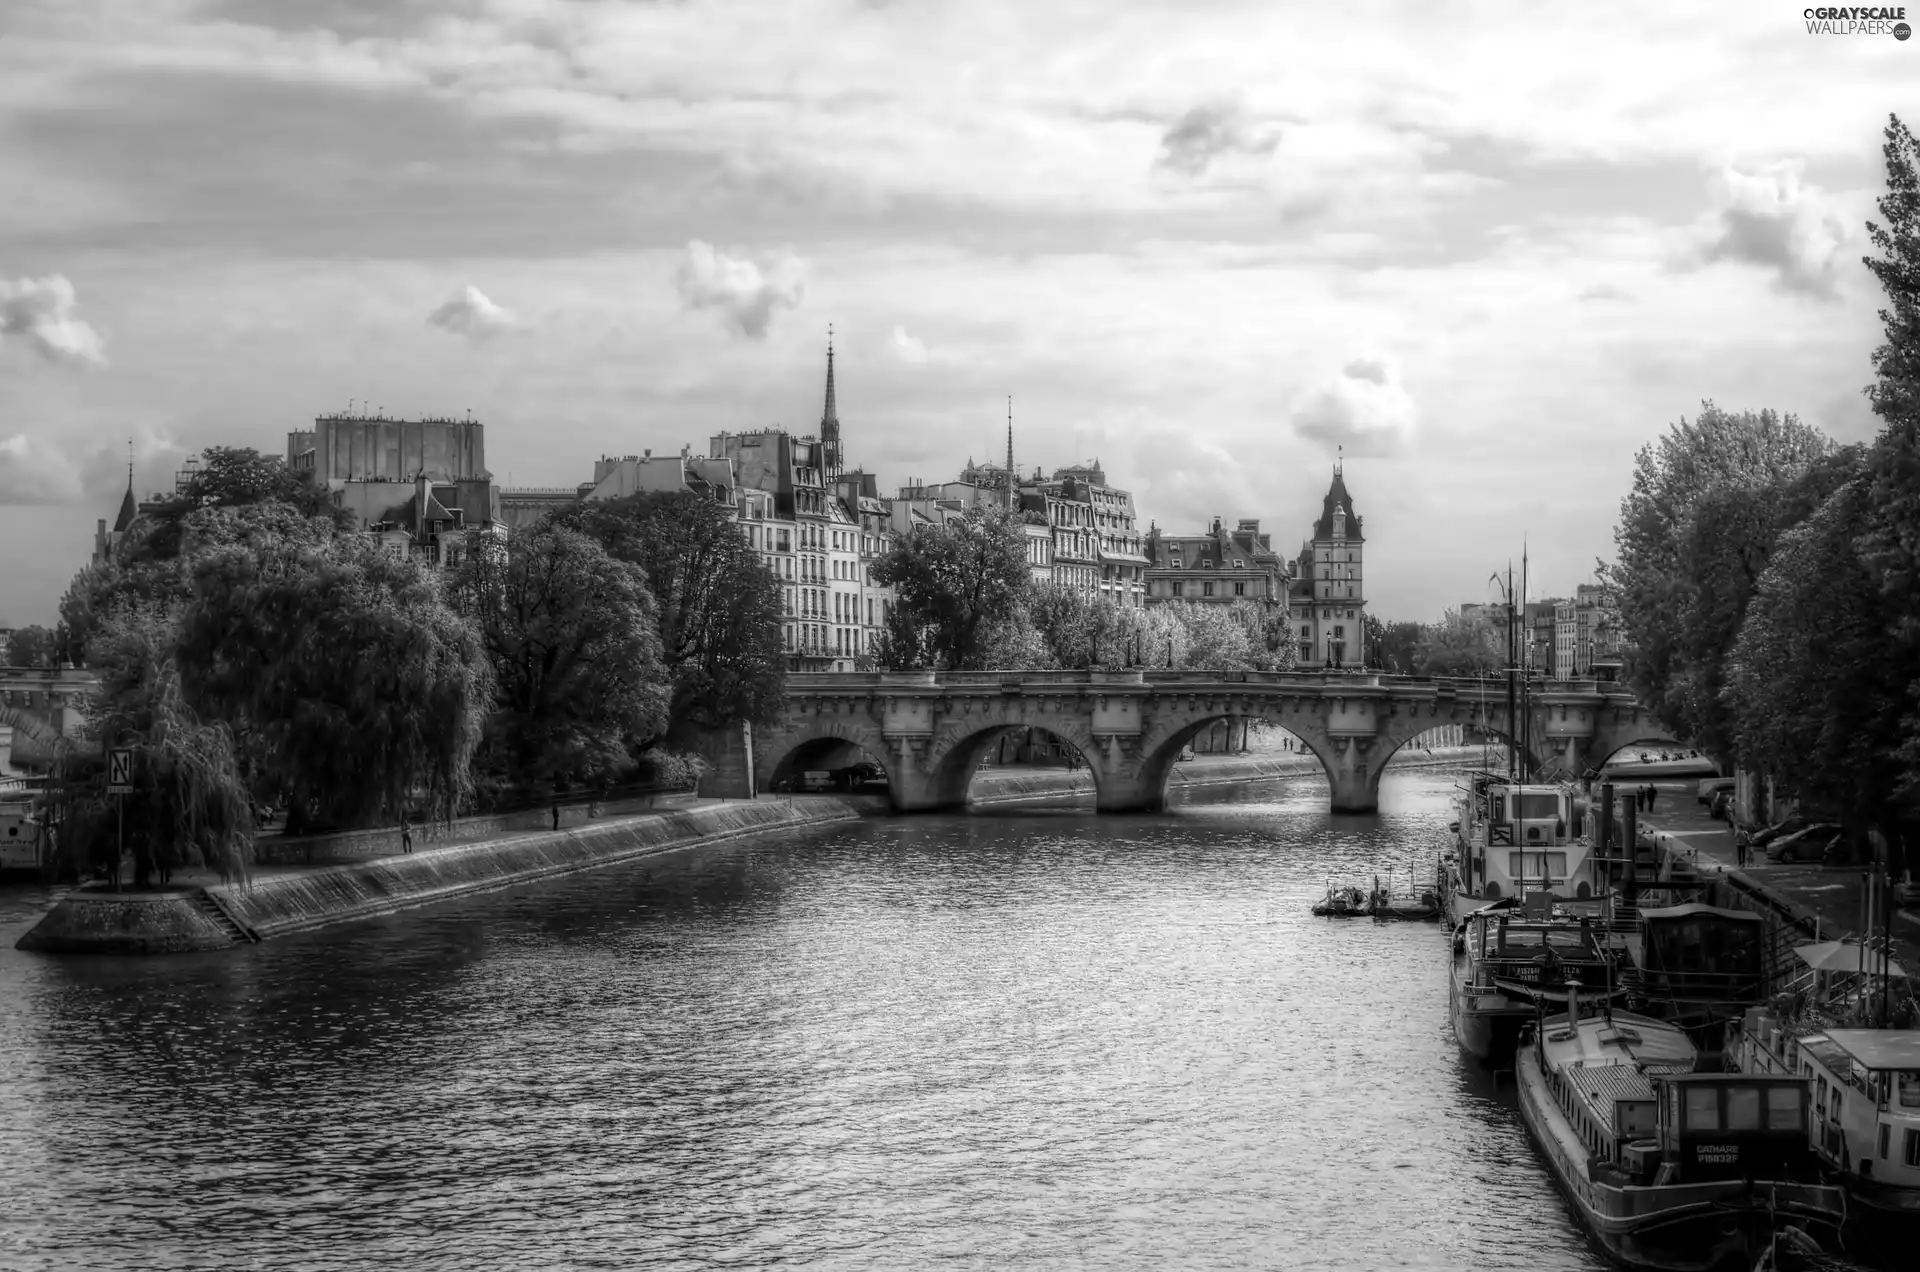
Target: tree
{"type": "Point", "coordinates": [718, 604]}
{"type": "Point", "coordinates": [1269, 628]}
{"type": "Point", "coordinates": [229, 477]}
{"type": "Point", "coordinates": [574, 640]}
{"type": "Point", "coordinates": [190, 800]}
{"type": "Point", "coordinates": [957, 587]}
{"type": "Point", "coordinates": [32, 646]}
{"type": "Point", "coordinates": [1890, 537]}
{"type": "Point", "coordinates": [352, 685]}
{"type": "Point", "coordinates": [1694, 534]}
{"type": "Point", "coordinates": [1392, 647]}
{"type": "Point", "coordinates": [1459, 645]}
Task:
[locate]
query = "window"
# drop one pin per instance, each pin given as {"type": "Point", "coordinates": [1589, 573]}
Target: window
{"type": "Point", "coordinates": [1886, 1139]}
{"type": "Point", "coordinates": [1339, 632]}
{"type": "Point", "coordinates": [1239, 564]}
{"type": "Point", "coordinates": [1743, 1108]}
{"type": "Point", "coordinates": [1703, 1108]}
{"type": "Point", "coordinates": [1206, 589]}
{"type": "Point", "coordinates": [1177, 587]}
{"type": "Point", "coordinates": [1910, 1153]}
{"type": "Point", "coordinates": [1783, 1109]}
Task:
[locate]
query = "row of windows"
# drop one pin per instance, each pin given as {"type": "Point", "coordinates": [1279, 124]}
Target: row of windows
{"type": "Point", "coordinates": [1206, 589]}
{"type": "Point", "coordinates": [825, 641]}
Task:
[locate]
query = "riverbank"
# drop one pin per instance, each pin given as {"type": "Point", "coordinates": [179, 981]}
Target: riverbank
{"type": "Point", "coordinates": [278, 901]}
{"type": "Point", "coordinates": [1012, 785]}
{"type": "Point", "coordinates": [1827, 900]}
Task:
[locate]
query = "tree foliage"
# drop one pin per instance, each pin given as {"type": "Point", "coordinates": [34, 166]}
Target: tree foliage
{"type": "Point", "coordinates": [31, 646]}
{"type": "Point", "coordinates": [574, 642]}
{"type": "Point", "coordinates": [1461, 645]}
{"type": "Point", "coordinates": [959, 587]}
{"type": "Point", "coordinates": [1707, 502]}
{"type": "Point", "coordinates": [353, 684]}
{"type": "Point", "coordinates": [1393, 647]}
{"type": "Point", "coordinates": [718, 604]}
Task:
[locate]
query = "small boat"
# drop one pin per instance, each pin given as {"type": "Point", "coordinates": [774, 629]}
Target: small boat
{"type": "Point", "coordinates": [1668, 1167]}
{"type": "Point", "coordinates": [1505, 964]}
{"type": "Point", "coordinates": [1342, 903]}
{"type": "Point", "coordinates": [1385, 906]}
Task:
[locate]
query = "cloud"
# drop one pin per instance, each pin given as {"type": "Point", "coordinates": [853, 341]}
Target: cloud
{"type": "Point", "coordinates": [468, 312]}
{"type": "Point", "coordinates": [1364, 409]}
{"type": "Point", "coordinates": [39, 313]}
{"type": "Point", "coordinates": [1771, 220]}
{"type": "Point", "coordinates": [1207, 132]}
{"type": "Point", "coordinates": [908, 348]}
{"type": "Point", "coordinates": [34, 473]}
{"type": "Point", "coordinates": [741, 289]}
{"type": "Point", "coordinates": [1604, 291]}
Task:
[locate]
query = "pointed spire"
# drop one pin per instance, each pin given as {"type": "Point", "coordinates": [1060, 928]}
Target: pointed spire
{"type": "Point", "coordinates": [1339, 457]}
{"type": "Point", "coordinates": [129, 506]}
{"type": "Point", "coordinates": [1010, 497]}
{"type": "Point", "coordinates": [830, 417]}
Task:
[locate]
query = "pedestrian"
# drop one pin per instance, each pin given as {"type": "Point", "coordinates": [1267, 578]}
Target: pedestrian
{"type": "Point", "coordinates": [1653, 793]}
{"type": "Point", "coordinates": [406, 835]}
{"type": "Point", "coordinates": [556, 814]}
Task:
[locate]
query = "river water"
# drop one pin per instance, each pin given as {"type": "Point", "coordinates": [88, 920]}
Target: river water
{"type": "Point", "coordinates": [1033, 1040]}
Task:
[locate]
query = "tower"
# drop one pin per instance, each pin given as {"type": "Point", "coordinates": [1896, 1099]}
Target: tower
{"type": "Point", "coordinates": [1330, 607]}
{"type": "Point", "coordinates": [830, 423]}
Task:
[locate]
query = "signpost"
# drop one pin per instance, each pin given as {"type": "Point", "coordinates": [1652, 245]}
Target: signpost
{"type": "Point", "coordinates": [120, 783]}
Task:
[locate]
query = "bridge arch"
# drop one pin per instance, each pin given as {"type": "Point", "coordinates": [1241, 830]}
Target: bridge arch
{"type": "Point", "coordinates": [954, 754]}
{"type": "Point", "coordinates": [820, 742]}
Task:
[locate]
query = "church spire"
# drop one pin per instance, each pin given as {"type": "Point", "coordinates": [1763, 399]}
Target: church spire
{"type": "Point", "coordinates": [830, 418]}
{"type": "Point", "coordinates": [1011, 496]}
{"type": "Point", "coordinates": [129, 506]}
{"type": "Point", "coordinates": [1339, 454]}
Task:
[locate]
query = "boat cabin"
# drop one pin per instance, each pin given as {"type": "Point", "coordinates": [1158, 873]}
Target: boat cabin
{"type": "Point", "coordinates": [1517, 838]}
{"type": "Point", "coordinates": [1864, 1085]}
{"type": "Point", "coordinates": [1507, 950]}
{"type": "Point", "coordinates": [1700, 954]}
{"type": "Point", "coordinates": [1733, 1126]}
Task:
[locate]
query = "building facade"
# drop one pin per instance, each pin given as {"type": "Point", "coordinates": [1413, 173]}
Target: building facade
{"type": "Point", "coordinates": [1220, 566]}
{"type": "Point", "coordinates": [1328, 594]}
{"type": "Point", "coordinates": [420, 487]}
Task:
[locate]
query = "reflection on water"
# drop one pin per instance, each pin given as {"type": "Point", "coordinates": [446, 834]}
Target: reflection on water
{"type": "Point", "coordinates": [1016, 1039]}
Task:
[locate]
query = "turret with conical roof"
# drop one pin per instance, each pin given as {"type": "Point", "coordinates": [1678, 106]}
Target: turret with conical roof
{"type": "Point", "coordinates": [1329, 599]}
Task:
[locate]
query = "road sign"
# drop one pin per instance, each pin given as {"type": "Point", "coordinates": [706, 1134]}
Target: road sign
{"type": "Point", "coordinates": [120, 772]}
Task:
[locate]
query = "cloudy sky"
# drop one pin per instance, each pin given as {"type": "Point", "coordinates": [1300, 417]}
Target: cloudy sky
{"type": "Point", "coordinates": [1206, 241]}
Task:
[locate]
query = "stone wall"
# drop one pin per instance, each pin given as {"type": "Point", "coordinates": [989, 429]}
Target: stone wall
{"type": "Point", "coordinates": [383, 841]}
{"type": "Point", "coordinates": [90, 921]}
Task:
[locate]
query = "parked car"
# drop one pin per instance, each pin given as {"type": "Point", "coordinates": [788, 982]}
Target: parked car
{"type": "Point", "coordinates": [1810, 844]}
{"type": "Point", "coordinates": [1712, 786]}
{"type": "Point", "coordinates": [1791, 826]}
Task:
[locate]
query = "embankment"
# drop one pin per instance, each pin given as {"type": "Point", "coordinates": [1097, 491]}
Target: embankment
{"type": "Point", "coordinates": [97, 922]}
{"type": "Point", "coordinates": [1012, 785]}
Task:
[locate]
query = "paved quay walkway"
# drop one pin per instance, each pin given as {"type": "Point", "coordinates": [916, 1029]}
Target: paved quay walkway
{"type": "Point", "coordinates": [1836, 894]}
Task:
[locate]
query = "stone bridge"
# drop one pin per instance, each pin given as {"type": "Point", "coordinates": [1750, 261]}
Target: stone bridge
{"type": "Point", "coordinates": [930, 730]}
{"type": "Point", "coordinates": [39, 707]}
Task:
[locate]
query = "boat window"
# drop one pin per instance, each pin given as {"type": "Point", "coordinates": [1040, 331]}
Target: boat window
{"type": "Point", "coordinates": [1820, 1101]}
{"type": "Point", "coordinates": [1911, 1153]}
{"type": "Point", "coordinates": [1833, 1109]}
{"type": "Point", "coordinates": [1550, 867]}
{"type": "Point", "coordinates": [1908, 1084]}
{"type": "Point", "coordinates": [1783, 1109]}
{"type": "Point", "coordinates": [1743, 1108]}
{"type": "Point", "coordinates": [1535, 806]}
{"type": "Point", "coordinates": [1886, 1138]}
{"type": "Point", "coordinates": [1703, 1108]}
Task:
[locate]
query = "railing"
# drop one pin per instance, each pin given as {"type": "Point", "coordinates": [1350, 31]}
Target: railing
{"type": "Point", "coordinates": [1355, 679]}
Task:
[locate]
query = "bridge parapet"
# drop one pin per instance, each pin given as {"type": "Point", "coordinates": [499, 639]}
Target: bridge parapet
{"type": "Point", "coordinates": [930, 729]}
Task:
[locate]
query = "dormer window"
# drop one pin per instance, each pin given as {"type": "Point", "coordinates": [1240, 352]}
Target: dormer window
{"type": "Point", "coordinates": [1239, 564]}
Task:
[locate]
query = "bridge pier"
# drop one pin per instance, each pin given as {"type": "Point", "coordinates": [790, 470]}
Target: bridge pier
{"type": "Point", "coordinates": [1354, 765]}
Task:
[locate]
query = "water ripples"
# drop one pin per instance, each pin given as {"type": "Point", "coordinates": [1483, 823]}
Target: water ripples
{"type": "Point", "coordinates": [1000, 1041]}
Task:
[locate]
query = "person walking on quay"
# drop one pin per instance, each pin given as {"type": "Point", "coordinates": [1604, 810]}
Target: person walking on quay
{"type": "Point", "coordinates": [406, 835]}
{"type": "Point", "coordinates": [556, 814]}
{"type": "Point", "coordinates": [1653, 793]}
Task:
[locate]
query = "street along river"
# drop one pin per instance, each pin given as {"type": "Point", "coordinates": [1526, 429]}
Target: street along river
{"type": "Point", "coordinates": [1006, 1040]}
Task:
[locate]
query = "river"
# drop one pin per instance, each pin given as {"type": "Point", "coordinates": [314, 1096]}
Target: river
{"type": "Point", "coordinates": [1005, 1040]}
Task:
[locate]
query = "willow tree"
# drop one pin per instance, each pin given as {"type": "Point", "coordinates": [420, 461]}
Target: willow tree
{"type": "Point", "coordinates": [574, 642]}
{"type": "Point", "coordinates": [359, 689]}
{"type": "Point", "coordinates": [189, 801]}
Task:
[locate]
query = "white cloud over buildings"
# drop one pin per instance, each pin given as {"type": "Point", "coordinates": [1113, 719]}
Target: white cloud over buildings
{"type": "Point", "coordinates": [746, 292]}
{"type": "Point", "coordinates": [469, 312]}
{"type": "Point", "coordinates": [39, 315]}
{"type": "Point", "coordinates": [1362, 411]}
{"type": "Point", "coordinates": [1772, 220]}
{"type": "Point", "coordinates": [908, 348]}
